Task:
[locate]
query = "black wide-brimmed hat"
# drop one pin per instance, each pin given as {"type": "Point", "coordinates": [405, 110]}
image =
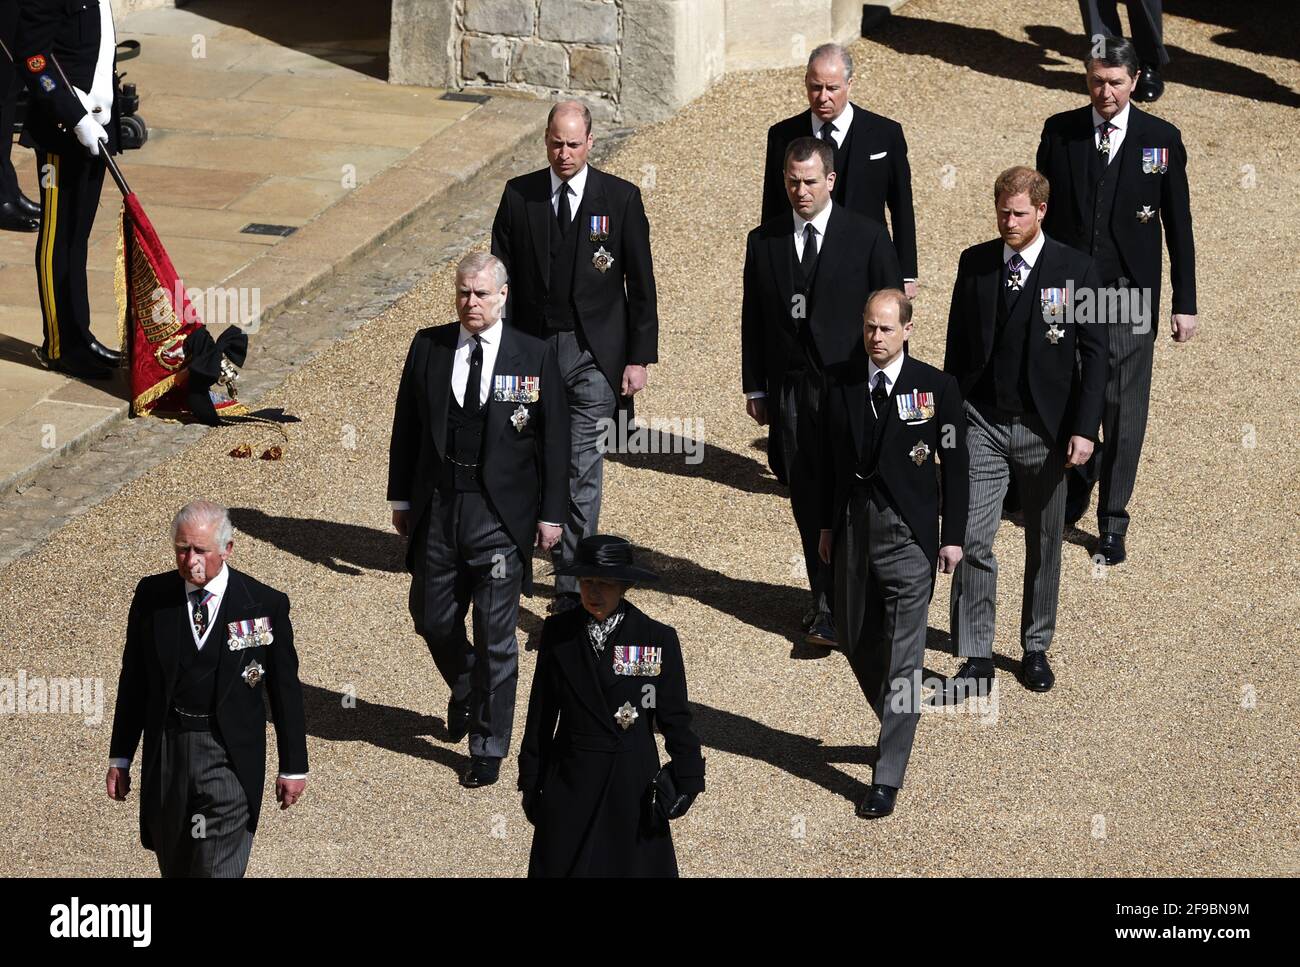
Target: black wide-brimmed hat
{"type": "Point", "coordinates": [607, 557]}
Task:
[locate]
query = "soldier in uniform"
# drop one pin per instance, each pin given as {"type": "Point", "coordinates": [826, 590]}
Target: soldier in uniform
{"type": "Point", "coordinates": [64, 51]}
{"type": "Point", "coordinates": [607, 678]}
{"type": "Point", "coordinates": [18, 213]}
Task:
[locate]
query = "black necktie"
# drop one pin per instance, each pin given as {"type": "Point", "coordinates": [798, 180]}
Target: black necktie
{"type": "Point", "coordinates": [200, 599]}
{"type": "Point", "coordinates": [1103, 142]}
{"type": "Point", "coordinates": [880, 395]}
{"type": "Point", "coordinates": [1015, 275]}
{"type": "Point", "coordinates": [809, 259]}
{"type": "Point", "coordinates": [474, 383]}
{"type": "Point", "coordinates": [564, 214]}
{"type": "Point", "coordinates": [828, 134]}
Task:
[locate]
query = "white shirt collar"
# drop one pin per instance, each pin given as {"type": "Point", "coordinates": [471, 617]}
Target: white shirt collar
{"type": "Point", "coordinates": [841, 122]}
{"type": "Point", "coordinates": [491, 336]}
{"type": "Point", "coordinates": [1120, 120]}
{"type": "Point", "coordinates": [1030, 251]}
{"type": "Point", "coordinates": [578, 182]}
{"type": "Point", "coordinates": [818, 221]}
{"type": "Point", "coordinates": [216, 587]}
{"type": "Point", "coordinates": [891, 372]}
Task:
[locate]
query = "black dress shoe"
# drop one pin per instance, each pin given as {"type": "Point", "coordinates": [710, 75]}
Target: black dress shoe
{"type": "Point", "coordinates": [13, 218]}
{"type": "Point", "coordinates": [1111, 548]}
{"type": "Point", "coordinates": [974, 677]}
{"type": "Point", "coordinates": [482, 771]}
{"type": "Point", "coordinates": [1036, 673]}
{"type": "Point", "coordinates": [1150, 85]}
{"type": "Point", "coordinates": [878, 802]}
{"type": "Point", "coordinates": [30, 207]}
{"type": "Point", "coordinates": [808, 618]}
{"type": "Point", "coordinates": [73, 366]}
{"type": "Point", "coordinates": [457, 720]}
{"type": "Point", "coordinates": [109, 357]}
{"type": "Point", "coordinates": [821, 633]}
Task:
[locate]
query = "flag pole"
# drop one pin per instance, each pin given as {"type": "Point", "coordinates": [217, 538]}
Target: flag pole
{"type": "Point", "coordinates": [103, 152]}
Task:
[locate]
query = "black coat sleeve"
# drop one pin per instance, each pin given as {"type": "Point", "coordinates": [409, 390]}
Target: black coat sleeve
{"type": "Point", "coordinates": [132, 684]}
{"type": "Point", "coordinates": [555, 444]}
{"type": "Point", "coordinates": [883, 270]}
{"type": "Point", "coordinates": [902, 217]}
{"type": "Point", "coordinates": [825, 468]}
{"type": "Point", "coordinates": [539, 726]}
{"type": "Point", "coordinates": [1176, 216]}
{"type": "Point", "coordinates": [502, 248]}
{"type": "Point", "coordinates": [404, 446]}
{"type": "Point", "coordinates": [753, 341]}
{"type": "Point", "coordinates": [642, 299]}
{"type": "Point", "coordinates": [39, 22]}
{"type": "Point", "coordinates": [285, 692]}
{"type": "Point", "coordinates": [954, 465]}
{"type": "Point", "coordinates": [953, 349]}
{"type": "Point", "coordinates": [775, 200]}
{"type": "Point", "coordinates": [1092, 343]}
{"type": "Point", "coordinates": [673, 718]}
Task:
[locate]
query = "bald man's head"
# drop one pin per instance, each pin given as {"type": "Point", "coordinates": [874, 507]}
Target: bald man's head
{"type": "Point", "coordinates": [568, 138]}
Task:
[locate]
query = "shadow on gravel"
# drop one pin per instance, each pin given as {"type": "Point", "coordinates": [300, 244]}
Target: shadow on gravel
{"type": "Point", "coordinates": [654, 449]}
{"type": "Point", "coordinates": [345, 548]}
{"type": "Point", "coordinates": [396, 729]}
{"type": "Point", "coordinates": [802, 757]}
{"type": "Point", "coordinates": [1249, 26]}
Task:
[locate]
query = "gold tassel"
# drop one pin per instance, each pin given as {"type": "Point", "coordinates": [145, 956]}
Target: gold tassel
{"type": "Point", "coordinates": [119, 285]}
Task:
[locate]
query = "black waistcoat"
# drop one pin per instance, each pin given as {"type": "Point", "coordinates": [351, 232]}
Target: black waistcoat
{"type": "Point", "coordinates": [560, 312]}
{"type": "Point", "coordinates": [196, 680]}
{"type": "Point", "coordinates": [464, 446]}
{"type": "Point", "coordinates": [1110, 266]}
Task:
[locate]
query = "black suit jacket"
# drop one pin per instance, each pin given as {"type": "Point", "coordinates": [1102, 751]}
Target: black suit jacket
{"type": "Point", "coordinates": [524, 472]}
{"type": "Point", "coordinates": [1069, 398]}
{"type": "Point", "coordinates": [158, 628]}
{"type": "Point", "coordinates": [1063, 151]}
{"type": "Point", "coordinates": [876, 175]}
{"type": "Point", "coordinates": [593, 775]}
{"type": "Point", "coordinates": [919, 491]}
{"type": "Point", "coordinates": [856, 258]}
{"type": "Point", "coordinates": [69, 31]}
{"type": "Point", "coordinates": [616, 309]}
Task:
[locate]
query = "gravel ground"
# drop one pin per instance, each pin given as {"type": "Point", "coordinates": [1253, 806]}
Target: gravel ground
{"type": "Point", "coordinates": [1167, 747]}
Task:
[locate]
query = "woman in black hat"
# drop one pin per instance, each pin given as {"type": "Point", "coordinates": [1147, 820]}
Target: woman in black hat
{"type": "Point", "coordinates": [607, 676]}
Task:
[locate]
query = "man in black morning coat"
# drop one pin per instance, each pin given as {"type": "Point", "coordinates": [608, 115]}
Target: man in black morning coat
{"type": "Point", "coordinates": [206, 646]}
{"type": "Point", "coordinates": [576, 243]}
{"type": "Point", "coordinates": [871, 169]}
{"type": "Point", "coordinates": [807, 275]}
{"type": "Point", "coordinates": [1118, 175]}
{"type": "Point", "coordinates": [886, 422]}
{"type": "Point", "coordinates": [477, 475]}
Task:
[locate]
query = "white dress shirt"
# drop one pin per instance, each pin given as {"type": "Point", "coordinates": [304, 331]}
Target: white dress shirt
{"type": "Point", "coordinates": [891, 377]}
{"type": "Point", "coordinates": [841, 122]}
{"type": "Point", "coordinates": [577, 185]}
{"type": "Point", "coordinates": [1029, 253]}
{"type": "Point", "coordinates": [1120, 124]}
{"type": "Point", "coordinates": [818, 222]}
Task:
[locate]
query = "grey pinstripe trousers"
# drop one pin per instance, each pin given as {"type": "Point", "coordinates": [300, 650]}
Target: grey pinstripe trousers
{"type": "Point", "coordinates": [1000, 445]}
{"type": "Point", "coordinates": [202, 828]}
{"type": "Point", "coordinates": [468, 557]}
{"type": "Point", "coordinates": [884, 598]}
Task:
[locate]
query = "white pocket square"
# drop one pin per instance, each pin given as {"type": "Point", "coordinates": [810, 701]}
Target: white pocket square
{"type": "Point", "coordinates": [877, 157]}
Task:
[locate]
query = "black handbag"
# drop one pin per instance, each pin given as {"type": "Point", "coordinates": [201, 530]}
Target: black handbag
{"type": "Point", "coordinates": [667, 802]}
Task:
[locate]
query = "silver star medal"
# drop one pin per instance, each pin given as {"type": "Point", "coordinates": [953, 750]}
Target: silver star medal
{"type": "Point", "coordinates": [919, 454]}
{"type": "Point", "coordinates": [625, 716]}
{"type": "Point", "coordinates": [1013, 281]}
{"type": "Point", "coordinates": [519, 418]}
{"type": "Point", "coordinates": [1146, 214]}
{"type": "Point", "coordinates": [253, 674]}
{"type": "Point", "coordinates": [602, 260]}
{"type": "Point", "coordinates": [1054, 334]}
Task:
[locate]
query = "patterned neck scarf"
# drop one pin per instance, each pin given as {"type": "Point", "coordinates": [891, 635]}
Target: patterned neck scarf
{"type": "Point", "coordinates": [598, 632]}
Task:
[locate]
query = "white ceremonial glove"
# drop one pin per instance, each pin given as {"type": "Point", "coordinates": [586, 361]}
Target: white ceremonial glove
{"type": "Point", "coordinates": [90, 132]}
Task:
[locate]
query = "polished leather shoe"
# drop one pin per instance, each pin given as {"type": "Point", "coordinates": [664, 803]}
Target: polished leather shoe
{"type": "Point", "coordinates": [1150, 85]}
{"type": "Point", "coordinates": [1035, 672]}
{"type": "Point", "coordinates": [109, 357]}
{"type": "Point", "coordinates": [482, 771]}
{"type": "Point", "coordinates": [808, 618]}
{"type": "Point", "coordinates": [13, 218]}
{"type": "Point", "coordinates": [821, 632]}
{"type": "Point", "coordinates": [73, 366]}
{"type": "Point", "coordinates": [974, 677]}
{"type": "Point", "coordinates": [1111, 548]}
{"type": "Point", "coordinates": [457, 721]}
{"type": "Point", "coordinates": [30, 207]}
{"type": "Point", "coordinates": [878, 802]}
